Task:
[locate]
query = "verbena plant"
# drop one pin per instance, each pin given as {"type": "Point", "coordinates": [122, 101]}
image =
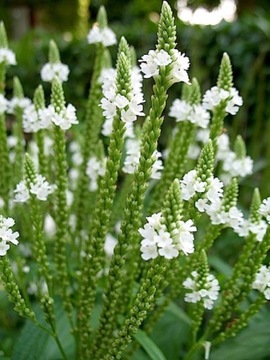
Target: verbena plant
{"type": "Point", "coordinates": [109, 234]}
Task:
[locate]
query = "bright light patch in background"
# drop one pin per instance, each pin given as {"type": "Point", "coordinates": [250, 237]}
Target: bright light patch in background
{"type": "Point", "coordinates": [201, 16]}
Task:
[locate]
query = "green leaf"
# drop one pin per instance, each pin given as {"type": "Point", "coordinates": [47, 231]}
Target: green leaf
{"type": "Point", "coordinates": [36, 344]}
{"type": "Point", "coordinates": [220, 265]}
{"type": "Point", "coordinates": [149, 346]}
{"type": "Point", "coordinates": [179, 313]}
{"type": "Point", "coordinates": [251, 343]}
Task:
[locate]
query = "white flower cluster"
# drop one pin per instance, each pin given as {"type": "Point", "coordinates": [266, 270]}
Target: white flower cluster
{"type": "Point", "coordinates": [16, 102]}
{"type": "Point", "coordinates": [10, 105]}
{"type": "Point", "coordinates": [207, 292]}
{"type": "Point", "coordinates": [95, 168]}
{"type": "Point", "coordinates": [50, 71]}
{"type": "Point", "coordinates": [3, 104]}
{"type": "Point", "coordinates": [133, 156]}
{"type": "Point", "coordinates": [210, 201]}
{"type": "Point", "coordinates": [183, 111]}
{"type": "Point", "coordinates": [6, 234]}
{"type": "Point", "coordinates": [265, 209]}
{"type": "Point", "coordinates": [129, 109]}
{"type": "Point", "coordinates": [7, 56]}
{"type": "Point", "coordinates": [157, 241]}
{"type": "Point", "coordinates": [211, 190]}
{"type": "Point", "coordinates": [40, 187]}
{"type": "Point", "coordinates": [262, 281]}
{"type": "Point", "coordinates": [64, 119]}
{"type": "Point", "coordinates": [34, 120]}
{"type": "Point", "coordinates": [156, 59]}
{"type": "Point", "coordinates": [104, 36]}
{"type": "Point", "coordinates": [232, 165]}
{"type": "Point", "coordinates": [215, 95]}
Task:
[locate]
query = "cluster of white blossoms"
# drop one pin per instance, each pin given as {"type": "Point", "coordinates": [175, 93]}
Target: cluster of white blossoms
{"type": "Point", "coordinates": [6, 234]}
{"type": "Point", "coordinates": [40, 187]}
{"type": "Point", "coordinates": [231, 164]}
{"type": "Point", "coordinates": [264, 209]}
{"type": "Point", "coordinates": [64, 119]}
{"type": "Point", "coordinates": [34, 120]}
{"type": "Point", "coordinates": [210, 201]}
{"type": "Point", "coordinates": [206, 292]}
{"type": "Point", "coordinates": [50, 71]}
{"type": "Point", "coordinates": [157, 241]}
{"type": "Point", "coordinates": [131, 161]}
{"type": "Point", "coordinates": [7, 56]}
{"type": "Point", "coordinates": [158, 59]}
{"type": "Point", "coordinates": [262, 281]}
{"type": "Point", "coordinates": [129, 109]}
{"type": "Point", "coordinates": [210, 191]}
{"type": "Point", "coordinates": [105, 36]}
{"type": "Point", "coordinates": [16, 102]}
{"type": "Point", "coordinates": [196, 114]}
{"type": "Point", "coordinates": [216, 95]}
{"type": "Point", "coordinates": [95, 169]}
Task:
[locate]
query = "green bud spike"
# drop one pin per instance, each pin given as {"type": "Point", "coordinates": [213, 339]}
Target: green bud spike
{"type": "Point", "coordinates": [29, 169]}
{"type": "Point", "coordinates": [166, 29]}
{"type": "Point", "coordinates": [185, 92]}
{"type": "Point", "coordinates": [54, 56]}
{"type": "Point", "coordinates": [124, 48]}
{"type": "Point", "coordinates": [194, 94]}
{"type": "Point", "coordinates": [57, 97]}
{"type": "Point", "coordinates": [102, 18]}
{"type": "Point", "coordinates": [204, 267]}
{"type": "Point", "coordinates": [17, 88]}
{"type": "Point", "coordinates": [225, 77]}
{"type": "Point", "coordinates": [230, 195]}
{"type": "Point", "coordinates": [39, 99]}
{"type": "Point", "coordinates": [123, 75]}
{"type": "Point", "coordinates": [254, 216]}
{"type": "Point", "coordinates": [205, 164]}
{"type": "Point", "coordinates": [3, 36]}
{"type": "Point", "coordinates": [173, 205]}
{"type": "Point", "coordinates": [240, 147]}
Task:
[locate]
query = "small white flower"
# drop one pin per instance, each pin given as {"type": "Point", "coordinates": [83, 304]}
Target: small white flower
{"type": "Point", "coordinates": [7, 56]}
{"type": "Point", "coordinates": [50, 71]}
{"type": "Point", "coordinates": [180, 66]}
{"type": "Point", "coordinates": [215, 95]}
{"type": "Point", "coordinates": [162, 58]}
{"type": "Point", "coordinates": [149, 252]}
{"type": "Point", "coordinates": [16, 102]}
{"type": "Point", "coordinates": [105, 36]}
{"type": "Point", "coordinates": [262, 281]}
{"type": "Point", "coordinates": [6, 234]}
{"type": "Point", "coordinates": [41, 188]}
{"type": "Point", "coordinates": [264, 209]}
{"type": "Point", "coordinates": [207, 292]}
{"type": "Point", "coordinates": [259, 229]}
{"type": "Point", "coordinates": [128, 116]}
{"type": "Point", "coordinates": [64, 119]}
{"type": "Point", "coordinates": [21, 192]}
{"type": "Point", "coordinates": [121, 101]}
{"type": "Point", "coordinates": [180, 110]}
